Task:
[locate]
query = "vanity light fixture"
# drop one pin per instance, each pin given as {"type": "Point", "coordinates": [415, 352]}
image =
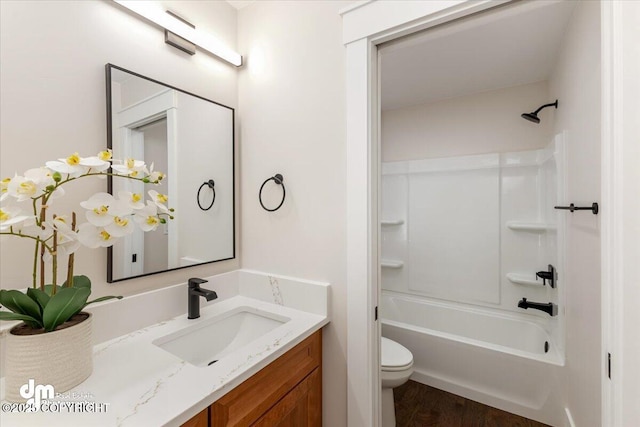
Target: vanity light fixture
{"type": "Point", "coordinates": [156, 14]}
{"type": "Point", "coordinates": [178, 42]}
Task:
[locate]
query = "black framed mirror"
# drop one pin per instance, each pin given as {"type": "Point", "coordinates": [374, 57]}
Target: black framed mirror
{"type": "Point", "coordinates": [191, 140]}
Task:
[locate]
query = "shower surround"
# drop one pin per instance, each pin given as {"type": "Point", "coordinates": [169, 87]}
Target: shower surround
{"type": "Point", "coordinates": [462, 241]}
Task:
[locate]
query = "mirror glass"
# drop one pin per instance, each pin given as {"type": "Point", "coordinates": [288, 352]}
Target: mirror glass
{"type": "Point", "coordinates": [191, 140]}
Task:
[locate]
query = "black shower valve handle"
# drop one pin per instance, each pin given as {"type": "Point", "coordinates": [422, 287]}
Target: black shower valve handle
{"type": "Point", "coordinates": [549, 275]}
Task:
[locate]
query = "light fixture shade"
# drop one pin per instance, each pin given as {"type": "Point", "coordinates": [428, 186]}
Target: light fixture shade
{"type": "Point", "coordinates": [156, 14]}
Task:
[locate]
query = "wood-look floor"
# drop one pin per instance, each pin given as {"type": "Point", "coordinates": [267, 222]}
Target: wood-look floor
{"type": "Point", "coordinates": [418, 405]}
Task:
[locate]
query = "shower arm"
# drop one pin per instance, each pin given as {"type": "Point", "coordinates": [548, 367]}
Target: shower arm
{"type": "Point", "coordinates": [553, 104]}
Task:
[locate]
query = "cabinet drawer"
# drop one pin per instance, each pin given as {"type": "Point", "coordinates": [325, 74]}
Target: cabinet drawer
{"type": "Point", "coordinates": [245, 404]}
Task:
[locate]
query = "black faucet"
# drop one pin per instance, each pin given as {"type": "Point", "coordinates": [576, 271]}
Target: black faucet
{"type": "Point", "coordinates": [195, 292]}
{"type": "Point", "coordinates": [550, 308]}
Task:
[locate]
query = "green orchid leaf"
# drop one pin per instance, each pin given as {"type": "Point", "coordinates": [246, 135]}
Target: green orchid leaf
{"type": "Point", "coordinates": [33, 323]}
{"type": "Point", "coordinates": [102, 299]}
{"type": "Point", "coordinates": [39, 296]}
{"type": "Point", "coordinates": [20, 303]}
{"type": "Point", "coordinates": [81, 282]}
{"type": "Point", "coordinates": [49, 288]}
{"type": "Point", "coordinates": [63, 305]}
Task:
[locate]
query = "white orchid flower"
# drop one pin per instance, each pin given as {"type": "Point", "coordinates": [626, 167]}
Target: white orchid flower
{"type": "Point", "coordinates": [67, 239]}
{"type": "Point", "coordinates": [95, 163]}
{"type": "Point", "coordinates": [130, 167]}
{"type": "Point", "coordinates": [159, 200]}
{"type": "Point", "coordinates": [41, 176]}
{"type": "Point", "coordinates": [94, 237]}
{"type": "Point", "coordinates": [105, 155]}
{"type": "Point", "coordinates": [44, 233]}
{"type": "Point", "coordinates": [10, 216]}
{"type": "Point", "coordinates": [120, 226]}
{"type": "Point", "coordinates": [61, 225]}
{"type": "Point", "coordinates": [71, 165]}
{"type": "Point", "coordinates": [74, 165]}
{"type": "Point", "coordinates": [33, 184]}
{"type": "Point", "coordinates": [155, 176]}
{"type": "Point", "coordinates": [133, 200]}
{"type": "Point", "coordinates": [102, 207]}
{"type": "Point", "coordinates": [22, 188]}
{"type": "Point", "coordinates": [147, 218]}
{"type": "Point", "coordinates": [4, 188]}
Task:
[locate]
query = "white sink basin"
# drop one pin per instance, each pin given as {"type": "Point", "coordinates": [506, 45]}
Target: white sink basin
{"type": "Point", "coordinates": [208, 341]}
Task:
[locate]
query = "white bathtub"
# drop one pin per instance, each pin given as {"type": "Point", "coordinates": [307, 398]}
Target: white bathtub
{"type": "Point", "coordinates": [490, 357]}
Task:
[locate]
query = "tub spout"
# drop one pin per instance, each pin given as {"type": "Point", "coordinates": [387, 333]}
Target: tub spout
{"type": "Point", "coordinates": [550, 308]}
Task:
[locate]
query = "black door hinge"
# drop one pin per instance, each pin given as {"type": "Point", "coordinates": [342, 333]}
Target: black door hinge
{"type": "Point", "coordinates": [376, 313]}
{"type": "Point", "coordinates": [609, 365]}
{"type": "Point", "coordinates": [134, 258]}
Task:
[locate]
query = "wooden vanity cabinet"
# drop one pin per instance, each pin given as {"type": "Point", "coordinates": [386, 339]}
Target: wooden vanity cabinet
{"type": "Point", "coordinates": [200, 420]}
{"type": "Point", "coordinates": [286, 393]}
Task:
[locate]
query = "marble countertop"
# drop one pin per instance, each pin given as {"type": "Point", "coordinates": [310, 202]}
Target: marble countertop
{"type": "Point", "coordinates": [136, 383]}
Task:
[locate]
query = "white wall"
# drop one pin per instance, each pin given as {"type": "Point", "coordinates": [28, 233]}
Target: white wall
{"type": "Point", "coordinates": [292, 121]}
{"type": "Point", "coordinates": [52, 80]}
{"type": "Point", "coordinates": [576, 84]}
{"type": "Point", "coordinates": [486, 122]}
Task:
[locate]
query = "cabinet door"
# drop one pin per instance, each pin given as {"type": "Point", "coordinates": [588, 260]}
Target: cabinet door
{"type": "Point", "coordinates": [298, 408]}
{"type": "Point", "coordinates": [248, 402]}
{"type": "Point", "coordinates": [200, 420]}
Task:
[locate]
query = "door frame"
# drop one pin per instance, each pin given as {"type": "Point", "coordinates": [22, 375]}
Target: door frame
{"type": "Point", "coordinates": [163, 104]}
{"type": "Point", "coordinates": [620, 221]}
{"type": "Point", "coordinates": [366, 24]}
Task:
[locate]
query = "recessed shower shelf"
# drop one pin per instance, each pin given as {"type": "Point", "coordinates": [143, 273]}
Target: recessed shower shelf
{"type": "Point", "coordinates": [387, 263]}
{"type": "Point", "coordinates": [521, 279]}
{"type": "Point", "coordinates": [392, 222]}
{"type": "Point", "coordinates": [535, 227]}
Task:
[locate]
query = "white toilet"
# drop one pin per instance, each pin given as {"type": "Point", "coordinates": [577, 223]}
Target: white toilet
{"type": "Point", "coordinates": [397, 367]}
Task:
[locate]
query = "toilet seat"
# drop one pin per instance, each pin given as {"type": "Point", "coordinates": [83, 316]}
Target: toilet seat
{"type": "Point", "coordinates": [394, 357]}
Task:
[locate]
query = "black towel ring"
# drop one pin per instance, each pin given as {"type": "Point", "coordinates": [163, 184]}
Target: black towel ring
{"type": "Point", "coordinates": [278, 179]}
{"type": "Point", "coordinates": [209, 184]}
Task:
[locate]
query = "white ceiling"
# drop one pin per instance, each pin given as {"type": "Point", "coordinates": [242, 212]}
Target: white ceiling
{"type": "Point", "coordinates": [239, 4]}
{"type": "Point", "coordinates": [510, 46]}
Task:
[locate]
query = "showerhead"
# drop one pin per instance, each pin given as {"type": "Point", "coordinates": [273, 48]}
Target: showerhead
{"type": "Point", "coordinates": [533, 116]}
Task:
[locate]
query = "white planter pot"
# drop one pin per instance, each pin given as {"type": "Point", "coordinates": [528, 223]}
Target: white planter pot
{"type": "Point", "coordinates": [62, 358]}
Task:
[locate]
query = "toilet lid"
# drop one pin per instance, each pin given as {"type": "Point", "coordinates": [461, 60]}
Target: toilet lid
{"type": "Point", "coordinates": [394, 355]}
